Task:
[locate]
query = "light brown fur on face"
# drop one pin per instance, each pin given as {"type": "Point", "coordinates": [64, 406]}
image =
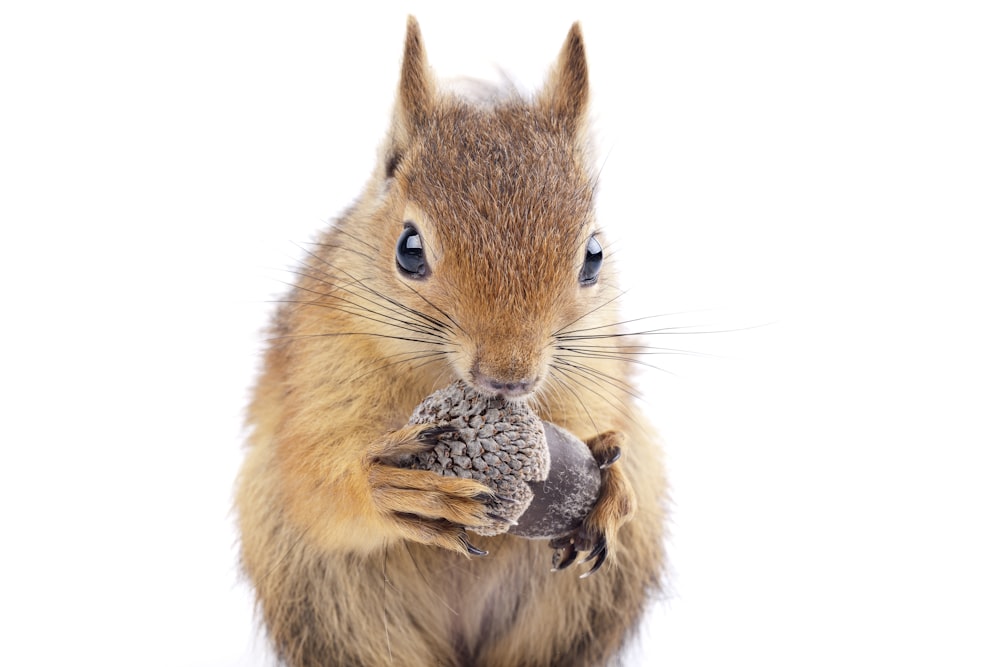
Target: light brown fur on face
{"type": "Point", "coordinates": [356, 561]}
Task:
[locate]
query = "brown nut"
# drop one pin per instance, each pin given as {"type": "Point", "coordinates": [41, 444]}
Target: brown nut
{"type": "Point", "coordinates": [506, 446]}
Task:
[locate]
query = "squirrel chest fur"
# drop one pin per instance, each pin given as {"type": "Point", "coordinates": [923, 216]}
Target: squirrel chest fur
{"type": "Point", "coordinates": [473, 254]}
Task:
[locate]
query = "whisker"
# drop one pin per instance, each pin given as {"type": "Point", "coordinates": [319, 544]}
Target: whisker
{"type": "Point", "coordinates": [558, 333]}
{"type": "Point", "coordinates": [382, 309]}
{"type": "Point", "coordinates": [413, 311]}
{"type": "Point", "coordinates": [664, 331]}
{"type": "Point", "coordinates": [435, 307]}
{"type": "Point", "coordinates": [419, 565]}
{"type": "Point", "coordinates": [363, 315]}
{"type": "Point", "coordinates": [430, 356]}
{"type": "Point", "coordinates": [354, 333]}
{"type": "Point", "coordinates": [621, 323]}
{"type": "Point", "coordinates": [430, 360]}
{"type": "Point", "coordinates": [631, 350]}
{"type": "Point", "coordinates": [354, 237]}
{"type": "Point", "coordinates": [564, 383]}
{"type": "Point", "coordinates": [595, 377]}
{"type": "Point", "coordinates": [615, 357]}
{"type": "Point", "coordinates": [358, 283]}
{"type": "Point", "coordinates": [585, 383]}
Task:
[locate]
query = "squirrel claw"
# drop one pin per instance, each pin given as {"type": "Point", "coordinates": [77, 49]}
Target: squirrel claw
{"type": "Point", "coordinates": [561, 560]}
{"type": "Point", "coordinates": [598, 554]}
{"type": "Point", "coordinates": [568, 547]}
{"type": "Point", "coordinates": [469, 547]}
{"type": "Point", "coordinates": [490, 497]}
{"type": "Point", "coordinates": [502, 519]}
{"type": "Point", "coordinates": [605, 460]}
{"type": "Point", "coordinates": [431, 436]}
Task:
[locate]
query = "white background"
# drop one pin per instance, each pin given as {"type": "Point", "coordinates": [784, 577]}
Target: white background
{"type": "Point", "coordinates": [830, 169]}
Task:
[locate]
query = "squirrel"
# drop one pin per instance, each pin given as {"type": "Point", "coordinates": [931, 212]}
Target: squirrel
{"type": "Point", "coordinates": [472, 253]}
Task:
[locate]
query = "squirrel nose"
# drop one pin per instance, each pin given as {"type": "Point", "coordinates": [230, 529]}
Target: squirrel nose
{"type": "Point", "coordinates": [506, 388]}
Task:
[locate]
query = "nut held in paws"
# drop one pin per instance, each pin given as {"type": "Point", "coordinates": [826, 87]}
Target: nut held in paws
{"type": "Point", "coordinates": [503, 444]}
{"type": "Point", "coordinates": [564, 499]}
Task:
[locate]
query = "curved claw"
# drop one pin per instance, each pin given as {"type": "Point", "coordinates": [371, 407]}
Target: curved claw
{"type": "Point", "coordinates": [568, 559]}
{"type": "Point", "coordinates": [501, 519]}
{"type": "Point", "coordinates": [472, 550]}
{"type": "Point", "coordinates": [612, 455]}
{"type": "Point", "coordinates": [430, 436]}
{"type": "Point", "coordinates": [490, 497]}
{"type": "Point", "coordinates": [598, 554]}
{"type": "Point", "coordinates": [601, 544]}
{"type": "Point", "coordinates": [568, 547]}
{"type": "Point", "coordinates": [602, 556]}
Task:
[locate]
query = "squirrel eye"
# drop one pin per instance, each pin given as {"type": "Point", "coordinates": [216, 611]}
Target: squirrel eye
{"type": "Point", "coordinates": [410, 253]}
{"type": "Point", "coordinates": [592, 262]}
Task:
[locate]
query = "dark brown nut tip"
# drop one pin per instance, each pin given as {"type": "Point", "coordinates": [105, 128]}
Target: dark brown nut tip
{"type": "Point", "coordinates": [564, 499]}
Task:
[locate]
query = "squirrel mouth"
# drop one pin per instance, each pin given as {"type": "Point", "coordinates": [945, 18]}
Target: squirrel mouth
{"type": "Point", "coordinates": [509, 389]}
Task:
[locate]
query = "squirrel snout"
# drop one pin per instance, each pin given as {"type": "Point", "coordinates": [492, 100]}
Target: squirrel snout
{"type": "Point", "coordinates": [507, 364]}
{"type": "Point", "coordinates": [508, 388]}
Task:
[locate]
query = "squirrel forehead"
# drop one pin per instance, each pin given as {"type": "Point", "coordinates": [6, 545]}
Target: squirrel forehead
{"type": "Point", "coordinates": [506, 165]}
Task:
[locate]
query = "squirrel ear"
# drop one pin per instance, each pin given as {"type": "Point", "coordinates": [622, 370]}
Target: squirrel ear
{"type": "Point", "coordinates": [567, 90]}
{"type": "Point", "coordinates": [416, 85]}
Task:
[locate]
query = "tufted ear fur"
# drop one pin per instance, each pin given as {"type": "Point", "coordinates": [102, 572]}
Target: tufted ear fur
{"type": "Point", "coordinates": [567, 91]}
{"type": "Point", "coordinates": [416, 83]}
{"type": "Point", "coordinates": [414, 98]}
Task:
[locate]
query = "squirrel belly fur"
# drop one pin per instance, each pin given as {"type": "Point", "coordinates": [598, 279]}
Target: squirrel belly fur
{"type": "Point", "coordinates": [474, 254]}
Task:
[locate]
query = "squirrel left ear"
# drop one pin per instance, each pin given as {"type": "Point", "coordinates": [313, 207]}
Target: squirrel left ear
{"type": "Point", "coordinates": [567, 90]}
{"type": "Point", "coordinates": [416, 84]}
{"type": "Point", "coordinates": [414, 98]}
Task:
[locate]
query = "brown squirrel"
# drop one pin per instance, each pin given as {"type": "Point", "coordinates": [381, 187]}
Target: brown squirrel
{"type": "Point", "coordinates": [473, 253]}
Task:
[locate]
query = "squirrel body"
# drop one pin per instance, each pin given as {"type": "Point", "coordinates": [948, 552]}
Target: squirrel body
{"type": "Point", "coordinates": [468, 255]}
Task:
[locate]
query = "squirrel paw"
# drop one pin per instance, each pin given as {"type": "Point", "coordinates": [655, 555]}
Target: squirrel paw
{"type": "Point", "coordinates": [424, 506]}
{"type": "Point", "coordinates": [584, 538]}
{"type": "Point", "coordinates": [614, 507]}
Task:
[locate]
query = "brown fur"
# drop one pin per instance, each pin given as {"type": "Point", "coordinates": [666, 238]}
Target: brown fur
{"type": "Point", "coordinates": [358, 562]}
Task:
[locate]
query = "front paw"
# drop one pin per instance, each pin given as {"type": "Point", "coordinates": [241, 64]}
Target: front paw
{"type": "Point", "coordinates": [615, 506]}
{"type": "Point", "coordinates": [425, 506]}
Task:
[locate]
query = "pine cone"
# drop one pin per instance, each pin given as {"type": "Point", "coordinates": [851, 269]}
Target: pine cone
{"type": "Point", "coordinates": [503, 444]}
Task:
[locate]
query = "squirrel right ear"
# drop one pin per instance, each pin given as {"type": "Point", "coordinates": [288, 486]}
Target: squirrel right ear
{"type": "Point", "coordinates": [416, 84]}
{"type": "Point", "coordinates": [567, 91]}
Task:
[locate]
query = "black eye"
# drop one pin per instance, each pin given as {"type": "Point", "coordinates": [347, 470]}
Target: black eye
{"type": "Point", "coordinates": [410, 253]}
{"type": "Point", "coordinates": [592, 262]}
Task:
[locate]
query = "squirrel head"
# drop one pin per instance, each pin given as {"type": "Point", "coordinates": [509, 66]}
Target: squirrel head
{"type": "Point", "coordinates": [483, 217]}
